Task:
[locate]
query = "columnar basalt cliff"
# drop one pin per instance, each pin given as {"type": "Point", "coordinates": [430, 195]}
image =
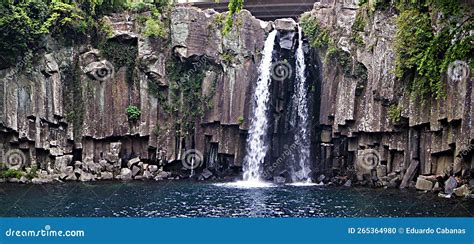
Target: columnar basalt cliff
{"type": "Point", "coordinates": [141, 107]}
{"type": "Point", "coordinates": [359, 91]}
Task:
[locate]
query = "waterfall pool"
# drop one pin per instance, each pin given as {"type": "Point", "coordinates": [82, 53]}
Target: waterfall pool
{"type": "Point", "coordinates": [204, 199]}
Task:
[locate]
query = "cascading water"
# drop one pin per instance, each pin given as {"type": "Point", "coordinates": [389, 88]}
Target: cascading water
{"type": "Point", "coordinates": [256, 145]}
{"type": "Point", "coordinates": [301, 133]}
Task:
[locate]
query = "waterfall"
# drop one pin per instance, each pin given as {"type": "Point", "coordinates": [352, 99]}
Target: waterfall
{"type": "Point", "coordinates": [256, 144]}
{"type": "Point", "coordinates": [302, 130]}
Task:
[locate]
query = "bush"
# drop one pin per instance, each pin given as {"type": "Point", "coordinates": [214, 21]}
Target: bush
{"type": "Point", "coordinates": [11, 173]}
{"type": "Point", "coordinates": [154, 28]}
{"type": "Point", "coordinates": [133, 113]}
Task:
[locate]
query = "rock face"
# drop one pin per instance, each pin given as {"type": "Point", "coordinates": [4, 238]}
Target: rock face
{"type": "Point", "coordinates": [67, 115]}
{"type": "Point", "coordinates": [434, 138]}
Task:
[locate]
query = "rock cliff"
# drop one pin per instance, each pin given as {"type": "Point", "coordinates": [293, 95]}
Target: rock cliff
{"type": "Point", "coordinates": [137, 103]}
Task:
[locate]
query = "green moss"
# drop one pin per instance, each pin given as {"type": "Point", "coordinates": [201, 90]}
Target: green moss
{"type": "Point", "coordinates": [395, 113]}
{"type": "Point", "coordinates": [155, 28]}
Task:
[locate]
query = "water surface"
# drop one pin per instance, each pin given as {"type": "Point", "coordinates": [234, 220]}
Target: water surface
{"type": "Point", "coordinates": [193, 199]}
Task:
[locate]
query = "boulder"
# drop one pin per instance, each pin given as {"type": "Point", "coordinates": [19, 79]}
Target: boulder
{"type": "Point", "coordinates": [449, 185]}
{"type": "Point", "coordinates": [60, 163]}
{"type": "Point", "coordinates": [279, 180]}
{"type": "Point", "coordinates": [86, 176]}
{"type": "Point", "coordinates": [206, 174]}
{"type": "Point", "coordinates": [321, 178]}
{"type": "Point", "coordinates": [462, 191]}
{"type": "Point", "coordinates": [132, 162]}
{"type": "Point", "coordinates": [153, 168]}
{"type": "Point", "coordinates": [348, 183]}
{"type": "Point", "coordinates": [147, 174]}
{"type": "Point", "coordinates": [135, 170]}
{"type": "Point", "coordinates": [163, 175]}
{"type": "Point", "coordinates": [125, 174]}
{"type": "Point", "coordinates": [23, 180]}
{"type": "Point", "coordinates": [68, 174]}
{"type": "Point", "coordinates": [106, 176]}
{"type": "Point", "coordinates": [286, 24]}
{"type": "Point", "coordinates": [423, 184]}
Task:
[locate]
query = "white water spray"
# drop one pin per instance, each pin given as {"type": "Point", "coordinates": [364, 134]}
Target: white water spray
{"type": "Point", "coordinates": [256, 145]}
{"type": "Point", "coordinates": [302, 131]}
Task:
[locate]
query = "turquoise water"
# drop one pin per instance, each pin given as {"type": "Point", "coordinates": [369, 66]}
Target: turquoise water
{"type": "Point", "coordinates": [192, 199]}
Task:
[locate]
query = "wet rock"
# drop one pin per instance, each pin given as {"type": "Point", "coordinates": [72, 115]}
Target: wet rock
{"type": "Point", "coordinates": [68, 174]}
{"type": "Point", "coordinates": [163, 175]}
{"type": "Point", "coordinates": [348, 183]}
{"type": "Point", "coordinates": [462, 191]}
{"type": "Point", "coordinates": [449, 185]}
{"type": "Point", "coordinates": [410, 173]}
{"type": "Point", "coordinates": [381, 170]}
{"type": "Point", "coordinates": [206, 174]}
{"type": "Point", "coordinates": [423, 184]}
{"type": "Point", "coordinates": [321, 178]}
{"type": "Point", "coordinates": [147, 175]}
{"type": "Point", "coordinates": [125, 174]}
{"type": "Point", "coordinates": [285, 24]}
{"type": "Point", "coordinates": [135, 170]}
{"type": "Point", "coordinates": [62, 162]}
{"type": "Point", "coordinates": [132, 162]}
{"type": "Point", "coordinates": [113, 154]}
{"type": "Point", "coordinates": [13, 180]}
{"type": "Point", "coordinates": [442, 195]}
{"type": "Point", "coordinates": [153, 168]}
{"type": "Point", "coordinates": [23, 180]}
{"type": "Point", "coordinates": [106, 176]}
{"type": "Point", "coordinates": [86, 176]}
{"type": "Point", "coordinates": [279, 180]}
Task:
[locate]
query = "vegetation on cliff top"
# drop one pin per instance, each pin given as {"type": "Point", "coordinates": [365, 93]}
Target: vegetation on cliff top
{"type": "Point", "coordinates": [24, 24]}
{"type": "Point", "coordinates": [431, 34]}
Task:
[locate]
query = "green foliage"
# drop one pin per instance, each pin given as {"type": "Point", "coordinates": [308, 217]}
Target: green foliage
{"type": "Point", "coordinates": [133, 113]}
{"type": "Point", "coordinates": [185, 101]}
{"type": "Point", "coordinates": [121, 54]}
{"type": "Point", "coordinates": [227, 57]}
{"type": "Point", "coordinates": [425, 55]}
{"type": "Point", "coordinates": [318, 36]}
{"type": "Point", "coordinates": [235, 6]}
{"type": "Point", "coordinates": [11, 173]}
{"type": "Point", "coordinates": [32, 173]}
{"type": "Point", "coordinates": [155, 28]}
{"type": "Point", "coordinates": [395, 113]}
{"type": "Point", "coordinates": [240, 120]}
